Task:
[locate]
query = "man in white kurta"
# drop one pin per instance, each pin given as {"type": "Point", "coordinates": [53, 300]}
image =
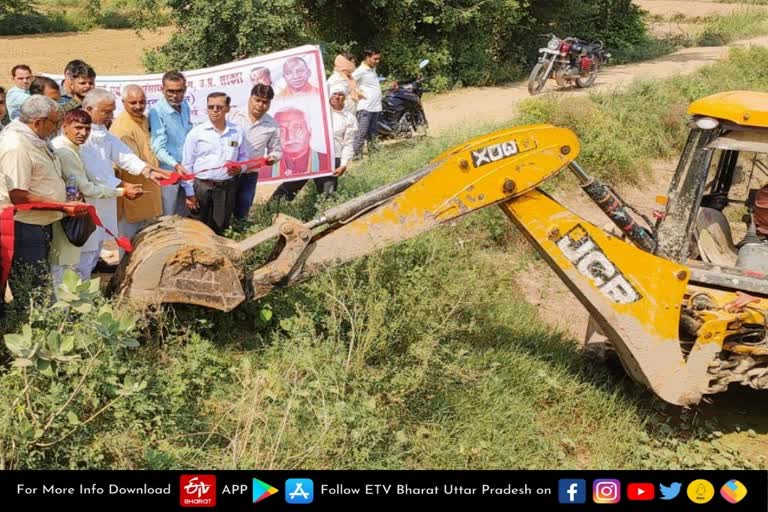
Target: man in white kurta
{"type": "Point", "coordinates": [76, 129]}
{"type": "Point", "coordinates": [99, 154]}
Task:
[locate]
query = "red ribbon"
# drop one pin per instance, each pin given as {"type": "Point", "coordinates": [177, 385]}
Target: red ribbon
{"type": "Point", "coordinates": [8, 235]}
{"type": "Point", "coordinates": [175, 177]}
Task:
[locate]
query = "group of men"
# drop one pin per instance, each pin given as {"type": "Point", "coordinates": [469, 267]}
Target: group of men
{"type": "Point", "coordinates": [65, 134]}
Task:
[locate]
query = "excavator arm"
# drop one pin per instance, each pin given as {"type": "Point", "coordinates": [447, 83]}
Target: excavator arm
{"type": "Point", "coordinates": [634, 296]}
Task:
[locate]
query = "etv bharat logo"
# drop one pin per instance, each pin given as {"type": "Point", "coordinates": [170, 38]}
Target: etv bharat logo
{"type": "Point", "coordinates": [197, 491]}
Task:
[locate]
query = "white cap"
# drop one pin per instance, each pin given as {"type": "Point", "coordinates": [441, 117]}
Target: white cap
{"type": "Point", "coordinates": [340, 88]}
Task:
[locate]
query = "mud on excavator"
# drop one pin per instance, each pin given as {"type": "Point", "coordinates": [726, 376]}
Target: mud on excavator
{"type": "Point", "coordinates": [656, 292]}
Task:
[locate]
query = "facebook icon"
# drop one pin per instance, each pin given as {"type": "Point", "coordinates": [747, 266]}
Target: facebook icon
{"type": "Point", "coordinates": [572, 491]}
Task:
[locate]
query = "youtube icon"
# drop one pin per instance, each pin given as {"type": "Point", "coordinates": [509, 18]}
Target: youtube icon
{"type": "Point", "coordinates": [641, 492]}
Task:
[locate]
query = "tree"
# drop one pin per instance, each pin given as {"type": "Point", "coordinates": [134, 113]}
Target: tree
{"type": "Point", "coordinates": [211, 33]}
{"type": "Point", "coordinates": [8, 7]}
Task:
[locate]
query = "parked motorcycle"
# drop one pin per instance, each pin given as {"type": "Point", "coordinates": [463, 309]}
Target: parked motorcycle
{"type": "Point", "coordinates": [567, 60]}
{"type": "Point", "coordinates": [403, 114]}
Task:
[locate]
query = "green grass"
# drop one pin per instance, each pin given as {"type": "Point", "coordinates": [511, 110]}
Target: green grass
{"type": "Point", "coordinates": [740, 24]}
{"type": "Point", "coordinates": [715, 30]}
{"type": "Point", "coordinates": [422, 355]}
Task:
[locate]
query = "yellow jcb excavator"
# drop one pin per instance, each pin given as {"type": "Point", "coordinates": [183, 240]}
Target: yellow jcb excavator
{"type": "Point", "coordinates": [656, 292]}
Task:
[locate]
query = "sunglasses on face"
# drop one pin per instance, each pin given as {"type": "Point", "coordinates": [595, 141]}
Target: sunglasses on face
{"type": "Point", "coordinates": [216, 107]}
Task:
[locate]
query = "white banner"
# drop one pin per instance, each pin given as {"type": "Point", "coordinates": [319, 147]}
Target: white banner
{"type": "Point", "coordinates": [300, 105]}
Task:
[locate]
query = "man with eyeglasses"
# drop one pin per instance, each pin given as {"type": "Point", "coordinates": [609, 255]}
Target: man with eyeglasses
{"type": "Point", "coordinates": [169, 124]}
{"type": "Point", "coordinates": [208, 147]}
{"type": "Point", "coordinates": [31, 173]}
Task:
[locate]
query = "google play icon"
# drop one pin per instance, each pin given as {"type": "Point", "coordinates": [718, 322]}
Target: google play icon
{"type": "Point", "coordinates": [262, 490]}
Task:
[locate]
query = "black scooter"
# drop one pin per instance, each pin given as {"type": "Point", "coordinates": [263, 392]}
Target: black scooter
{"type": "Point", "coordinates": [403, 114]}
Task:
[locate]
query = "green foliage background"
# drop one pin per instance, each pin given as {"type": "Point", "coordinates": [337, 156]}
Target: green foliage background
{"type": "Point", "coordinates": [469, 42]}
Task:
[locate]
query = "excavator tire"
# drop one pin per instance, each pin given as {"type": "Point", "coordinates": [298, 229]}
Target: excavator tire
{"type": "Point", "coordinates": [183, 261]}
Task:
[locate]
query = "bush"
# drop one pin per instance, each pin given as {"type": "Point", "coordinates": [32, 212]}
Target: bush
{"type": "Point", "coordinates": [35, 23]}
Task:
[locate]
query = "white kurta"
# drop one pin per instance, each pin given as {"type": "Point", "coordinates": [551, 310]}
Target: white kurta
{"type": "Point", "coordinates": [100, 152]}
{"type": "Point", "coordinates": [344, 130]}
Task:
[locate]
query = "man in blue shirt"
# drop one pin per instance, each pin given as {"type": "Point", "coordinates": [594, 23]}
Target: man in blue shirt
{"type": "Point", "coordinates": [169, 124]}
{"type": "Point", "coordinates": [209, 146]}
{"type": "Point", "coordinates": [18, 94]}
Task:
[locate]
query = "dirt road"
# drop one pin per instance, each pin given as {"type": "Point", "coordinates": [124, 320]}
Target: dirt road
{"type": "Point", "coordinates": [496, 104]}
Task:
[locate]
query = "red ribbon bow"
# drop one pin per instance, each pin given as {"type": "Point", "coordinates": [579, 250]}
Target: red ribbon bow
{"type": "Point", "coordinates": [175, 177]}
{"type": "Point", "coordinates": [8, 232]}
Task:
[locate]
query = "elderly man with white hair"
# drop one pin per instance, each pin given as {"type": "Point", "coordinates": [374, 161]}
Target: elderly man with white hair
{"type": "Point", "coordinates": [100, 152]}
{"type": "Point", "coordinates": [31, 173]}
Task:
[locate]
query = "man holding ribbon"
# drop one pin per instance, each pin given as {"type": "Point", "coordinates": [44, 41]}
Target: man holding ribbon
{"type": "Point", "coordinates": [132, 127]}
{"type": "Point", "coordinates": [100, 152]}
{"type": "Point", "coordinates": [29, 173]}
{"type": "Point", "coordinates": [212, 152]}
{"type": "Point", "coordinates": [76, 129]}
{"type": "Point", "coordinates": [169, 123]}
{"type": "Point", "coordinates": [262, 138]}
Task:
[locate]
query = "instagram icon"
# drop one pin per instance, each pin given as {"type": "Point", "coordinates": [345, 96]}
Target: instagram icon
{"type": "Point", "coordinates": [606, 491]}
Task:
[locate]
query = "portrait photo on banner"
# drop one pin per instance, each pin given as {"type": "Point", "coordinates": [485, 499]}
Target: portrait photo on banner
{"type": "Point", "coordinates": [300, 105]}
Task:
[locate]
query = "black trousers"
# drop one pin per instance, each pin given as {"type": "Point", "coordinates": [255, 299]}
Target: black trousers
{"type": "Point", "coordinates": [216, 201]}
{"type": "Point", "coordinates": [30, 253]}
{"type": "Point", "coordinates": [325, 185]}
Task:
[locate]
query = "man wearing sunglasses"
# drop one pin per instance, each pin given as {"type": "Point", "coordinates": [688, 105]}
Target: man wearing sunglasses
{"type": "Point", "coordinates": [208, 147]}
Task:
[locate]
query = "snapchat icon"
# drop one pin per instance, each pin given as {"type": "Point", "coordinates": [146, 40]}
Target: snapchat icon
{"type": "Point", "coordinates": [701, 491]}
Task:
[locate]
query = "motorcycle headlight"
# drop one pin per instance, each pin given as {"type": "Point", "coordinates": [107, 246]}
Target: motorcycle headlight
{"type": "Point", "coordinates": [553, 44]}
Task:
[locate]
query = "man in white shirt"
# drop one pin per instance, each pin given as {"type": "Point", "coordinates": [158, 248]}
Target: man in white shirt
{"type": "Point", "coordinates": [99, 154]}
{"type": "Point", "coordinates": [262, 138]}
{"type": "Point", "coordinates": [369, 106]}
{"type": "Point", "coordinates": [208, 147]}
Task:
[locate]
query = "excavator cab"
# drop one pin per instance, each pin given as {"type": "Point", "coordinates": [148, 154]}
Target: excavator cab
{"type": "Point", "coordinates": [660, 293]}
{"type": "Point", "coordinates": [709, 222]}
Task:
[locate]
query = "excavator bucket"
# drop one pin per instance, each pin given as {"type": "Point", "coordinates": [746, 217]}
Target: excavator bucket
{"type": "Point", "coordinates": [183, 261]}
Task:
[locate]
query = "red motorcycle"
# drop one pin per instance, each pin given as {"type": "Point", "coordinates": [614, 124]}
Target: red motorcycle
{"type": "Point", "coordinates": [567, 61]}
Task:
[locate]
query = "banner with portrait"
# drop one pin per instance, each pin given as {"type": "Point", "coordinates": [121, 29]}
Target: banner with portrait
{"type": "Point", "coordinates": [300, 105]}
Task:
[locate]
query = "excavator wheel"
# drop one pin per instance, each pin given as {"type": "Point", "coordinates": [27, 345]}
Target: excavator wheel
{"type": "Point", "coordinates": [182, 261]}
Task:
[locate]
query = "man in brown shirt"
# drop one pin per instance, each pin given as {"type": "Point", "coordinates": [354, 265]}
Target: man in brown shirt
{"type": "Point", "coordinates": [132, 127]}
